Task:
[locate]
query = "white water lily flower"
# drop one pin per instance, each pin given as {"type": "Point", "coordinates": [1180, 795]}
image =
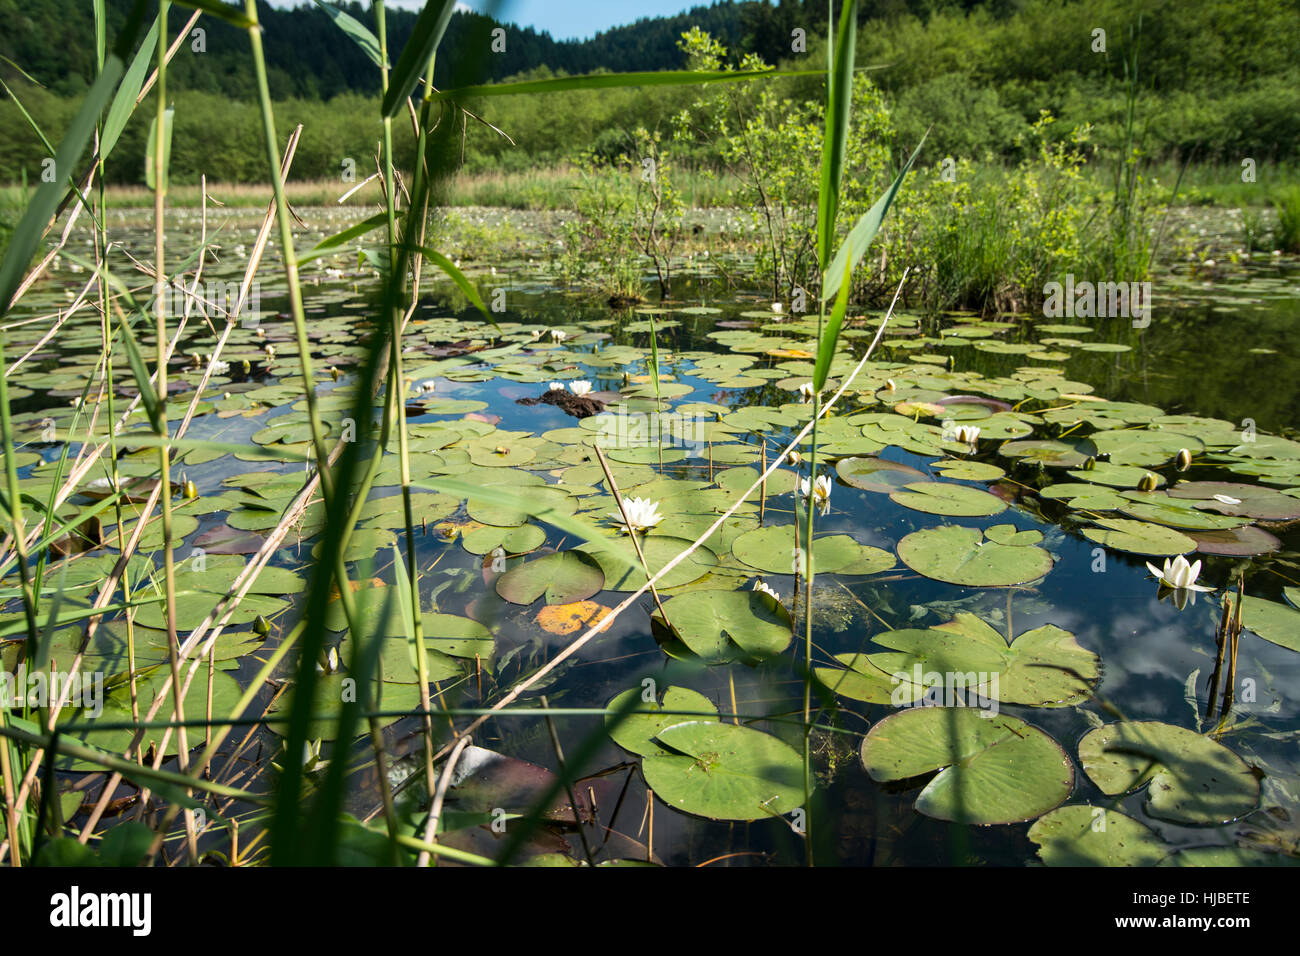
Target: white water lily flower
{"type": "Point", "coordinates": [760, 586]}
{"type": "Point", "coordinates": [1178, 574]}
{"type": "Point", "coordinates": [557, 386]}
{"type": "Point", "coordinates": [311, 761]}
{"type": "Point", "coordinates": [968, 434]}
{"type": "Point", "coordinates": [558, 335]}
{"type": "Point", "coordinates": [332, 662]}
{"type": "Point", "coordinates": [821, 490]}
{"type": "Point", "coordinates": [270, 350]}
{"type": "Point", "coordinates": [642, 514]}
{"type": "Point", "coordinates": [777, 308]}
{"type": "Point", "coordinates": [537, 333]}
{"type": "Point", "coordinates": [794, 458]}
{"type": "Point", "coordinates": [889, 384]}
{"type": "Point", "coordinates": [220, 368]}
{"type": "Point", "coordinates": [580, 388]}
{"type": "Point", "coordinates": [806, 391]}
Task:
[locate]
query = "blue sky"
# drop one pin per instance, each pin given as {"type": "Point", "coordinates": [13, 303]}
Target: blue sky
{"type": "Point", "coordinates": [564, 19]}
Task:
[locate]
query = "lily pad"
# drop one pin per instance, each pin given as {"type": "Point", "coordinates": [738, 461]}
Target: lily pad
{"type": "Point", "coordinates": [563, 578]}
{"type": "Point", "coordinates": [1082, 835]}
{"type": "Point", "coordinates": [1274, 622]}
{"type": "Point", "coordinates": [1234, 498]}
{"type": "Point", "coordinates": [714, 623]}
{"type": "Point", "coordinates": [945, 498]}
{"type": "Point", "coordinates": [1139, 537]}
{"type": "Point", "coordinates": [876, 474]}
{"type": "Point", "coordinates": [991, 769]}
{"type": "Point", "coordinates": [622, 568]}
{"type": "Point", "coordinates": [965, 556]}
{"type": "Point", "coordinates": [638, 730]}
{"type": "Point", "coordinates": [725, 772]}
{"type": "Point", "coordinates": [1193, 779]}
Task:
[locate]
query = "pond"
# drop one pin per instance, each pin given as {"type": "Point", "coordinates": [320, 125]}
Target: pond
{"type": "Point", "coordinates": [992, 493]}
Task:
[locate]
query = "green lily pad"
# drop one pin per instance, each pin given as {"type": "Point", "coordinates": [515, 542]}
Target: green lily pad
{"type": "Point", "coordinates": [772, 549]}
{"type": "Point", "coordinates": [964, 556]}
{"type": "Point", "coordinates": [638, 730]}
{"type": "Point", "coordinates": [564, 578]}
{"type": "Point", "coordinates": [956, 469]}
{"type": "Point", "coordinates": [1139, 537]}
{"type": "Point", "coordinates": [714, 623]}
{"type": "Point", "coordinates": [1054, 454]}
{"type": "Point", "coordinates": [1274, 622]}
{"type": "Point", "coordinates": [876, 474]}
{"type": "Point", "coordinates": [622, 568]}
{"type": "Point", "coordinates": [995, 769]}
{"type": "Point", "coordinates": [1193, 779]}
{"type": "Point", "coordinates": [1043, 667]}
{"type": "Point", "coordinates": [944, 498]}
{"type": "Point", "coordinates": [1082, 835]}
{"type": "Point", "coordinates": [1113, 475]}
{"type": "Point", "coordinates": [1084, 497]}
{"type": "Point", "coordinates": [725, 772]}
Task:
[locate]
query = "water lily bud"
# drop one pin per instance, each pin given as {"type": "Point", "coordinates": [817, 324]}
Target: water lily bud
{"type": "Point", "coordinates": [1090, 463]}
{"type": "Point", "coordinates": [1148, 482]}
{"type": "Point", "coordinates": [334, 373]}
{"type": "Point", "coordinates": [1184, 459]}
{"type": "Point", "coordinates": [190, 490]}
{"type": "Point", "coordinates": [261, 626]}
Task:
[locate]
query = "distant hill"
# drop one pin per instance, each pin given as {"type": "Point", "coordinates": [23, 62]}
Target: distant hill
{"type": "Point", "coordinates": [309, 57]}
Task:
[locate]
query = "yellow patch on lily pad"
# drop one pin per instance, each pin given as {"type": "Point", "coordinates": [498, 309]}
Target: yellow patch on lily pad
{"type": "Point", "coordinates": [570, 618]}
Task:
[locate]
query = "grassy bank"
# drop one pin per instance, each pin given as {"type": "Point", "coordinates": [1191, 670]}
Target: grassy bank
{"type": "Point", "coordinates": [553, 188]}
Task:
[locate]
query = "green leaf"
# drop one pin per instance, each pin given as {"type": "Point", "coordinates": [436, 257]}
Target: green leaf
{"type": "Point", "coordinates": [714, 623]}
{"type": "Point", "coordinates": [123, 104]}
{"type": "Point", "coordinates": [357, 30]}
{"type": "Point", "coordinates": [831, 334]}
{"type": "Point", "coordinates": [839, 99]}
{"type": "Point", "coordinates": [425, 37]}
{"type": "Point", "coordinates": [1139, 537]}
{"type": "Point", "coordinates": [1274, 622]}
{"type": "Point", "coordinates": [944, 498]}
{"type": "Point", "coordinates": [992, 769]}
{"type": "Point", "coordinates": [637, 731]}
{"type": "Point", "coordinates": [27, 235]}
{"type": "Point", "coordinates": [220, 10]}
{"type": "Point", "coordinates": [604, 81]}
{"type": "Point", "coordinates": [1193, 779]}
{"type": "Point", "coordinates": [963, 556]}
{"type": "Point", "coordinates": [726, 772]}
{"type": "Point", "coordinates": [456, 276]}
{"type": "Point", "coordinates": [563, 578]}
{"type": "Point", "coordinates": [141, 372]}
{"type": "Point", "coordinates": [150, 164]}
{"type": "Point", "coordinates": [328, 245]}
{"type": "Point", "coordinates": [859, 238]}
{"type": "Point", "coordinates": [1083, 835]}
